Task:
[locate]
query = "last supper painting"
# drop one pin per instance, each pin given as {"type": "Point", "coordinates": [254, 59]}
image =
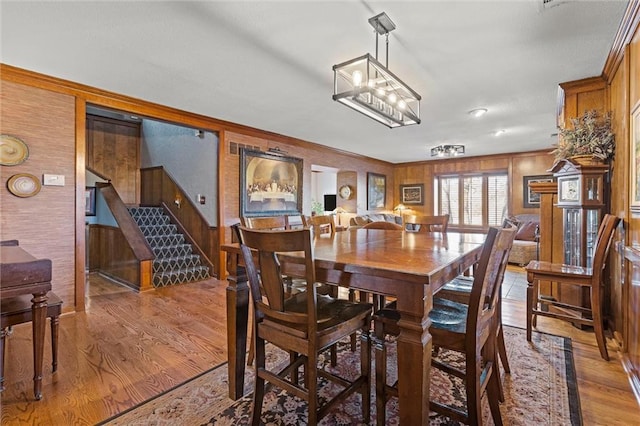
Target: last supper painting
{"type": "Point", "coordinates": [270, 184]}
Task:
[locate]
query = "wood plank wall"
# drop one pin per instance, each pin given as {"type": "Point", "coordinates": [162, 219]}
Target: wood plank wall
{"type": "Point", "coordinates": [45, 223]}
{"type": "Point", "coordinates": [312, 154]}
{"type": "Point", "coordinates": [623, 97]}
{"type": "Point", "coordinates": [113, 150]}
{"type": "Point", "coordinates": [157, 188]}
{"type": "Point", "coordinates": [517, 165]}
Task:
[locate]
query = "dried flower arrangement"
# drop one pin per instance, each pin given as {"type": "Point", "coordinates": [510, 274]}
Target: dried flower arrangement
{"type": "Point", "coordinates": [590, 134]}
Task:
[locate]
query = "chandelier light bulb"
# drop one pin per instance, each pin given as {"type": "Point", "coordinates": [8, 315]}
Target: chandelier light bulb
{"type": "Point", "coordinates": [402, 104]}
{"type": "Point", "coordinates": [380, 92]}
{"type": "Point", "coordinates": [357, 78]}
{"type": "Point", "coordinates": [392, 98]}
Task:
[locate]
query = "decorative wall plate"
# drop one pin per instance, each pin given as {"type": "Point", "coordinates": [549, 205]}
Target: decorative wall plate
{"type": "Point", "coordinates": [24, 185]}
{"type": "Point", "coordinates": [13, 151]}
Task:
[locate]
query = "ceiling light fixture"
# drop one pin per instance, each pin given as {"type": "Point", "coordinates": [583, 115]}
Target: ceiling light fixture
{"type": "Point", "coordinates": [447, 150]}
{"type": "Point", "coordinates": [478, 112]}
{"type": "Point", "coordinates": [367, 86]}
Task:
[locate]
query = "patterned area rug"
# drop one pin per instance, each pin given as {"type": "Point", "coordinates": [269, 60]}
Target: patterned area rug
{"type": "Point", "coordinates": [541, 389]}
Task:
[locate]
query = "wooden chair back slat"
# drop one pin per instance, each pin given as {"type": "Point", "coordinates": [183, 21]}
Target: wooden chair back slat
{"type": "Point", "coordinates": [271, 222]}
{"type": "Point", "coordinates": [428, 223]}
{"type": "Point", "coordinates": [266, 279]}
{"type": "Point", "coordinates": [321, 224]}
{"type": "Point", "coordinates": [488, 277]}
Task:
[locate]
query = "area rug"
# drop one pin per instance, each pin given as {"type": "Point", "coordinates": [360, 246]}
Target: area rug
{"type": "Point", "coordinates": [541, 389]}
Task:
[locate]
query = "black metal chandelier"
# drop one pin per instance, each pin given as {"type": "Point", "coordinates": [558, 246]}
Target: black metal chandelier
{"type": "Point", "coordinates": [447, 150]}
{"type": "Point", "coordinates": [367, 86]}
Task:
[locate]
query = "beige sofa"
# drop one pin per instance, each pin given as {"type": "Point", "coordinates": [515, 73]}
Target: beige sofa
{"type": "Point", "coordinates": [525, 246]}
{"type": "Point", "coordinates": [359, 221]}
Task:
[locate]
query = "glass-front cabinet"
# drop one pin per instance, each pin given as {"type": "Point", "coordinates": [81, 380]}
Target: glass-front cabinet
{"type": "Point", "coordinates": [582, 195]}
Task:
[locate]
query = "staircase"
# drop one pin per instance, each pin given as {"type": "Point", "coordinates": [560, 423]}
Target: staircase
{"type": "Point", "coordinates": [175, 261]}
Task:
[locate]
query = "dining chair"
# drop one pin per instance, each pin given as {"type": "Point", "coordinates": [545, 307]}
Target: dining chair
{"type": "Point", "coordinates": [591, 279]}
{"type": "Point", "coordinates": [268, 222]}
{"type": "Point", "coordinates": [304, 325]}
{"type": "Point", "coordinates": [321, 224]}
{"type": "Point", "coordinates": [325, 225]}
{"type": "Point", "coordinates": [470, 329]}
{"type": "Point", "coordinates": [382, 224]}
{"type": "Point", "coordinates": [424, 223]}
{"type": "Point", "coordinates": [459, 290]}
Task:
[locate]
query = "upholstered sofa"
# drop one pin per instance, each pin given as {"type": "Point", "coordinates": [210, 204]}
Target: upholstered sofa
{"type": "Point", "coordinates": [525, 246]}
{"type": "Point", "coordinates": [359, 221]}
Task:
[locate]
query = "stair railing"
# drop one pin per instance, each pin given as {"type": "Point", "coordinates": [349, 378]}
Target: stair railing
{"type": "Point", "coordinates": [124, 252]}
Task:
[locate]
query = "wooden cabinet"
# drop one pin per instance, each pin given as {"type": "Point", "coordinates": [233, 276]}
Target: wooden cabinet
{"type": "Point", "coordinates": [583, 196]}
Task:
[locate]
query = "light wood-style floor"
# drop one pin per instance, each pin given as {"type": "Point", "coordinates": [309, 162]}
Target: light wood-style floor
{"type": "Point", "coordinates": [128, 347]}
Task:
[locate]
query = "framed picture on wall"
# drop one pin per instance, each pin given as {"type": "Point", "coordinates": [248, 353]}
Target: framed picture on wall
{"type": "Point", "coordinates": [634, 172]}
{"type": "Point", "coordinates": [531, 199]}
{"type": "Point", "coordinates": [90, 201]}
{"type": "Point", "coordinates": [270, 184]}
{"type": "Point", "coordinates": [412, 194]}
{"type": "Point", "coordinates": [376, 191]}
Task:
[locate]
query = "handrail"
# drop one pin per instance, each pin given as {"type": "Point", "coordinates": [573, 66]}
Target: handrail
{"type": "Point", "coordinates": [159, 188]}
{"type": "Point", "coordinates": [132, 233]}
{"type": "Point", "coordinates": [100, 175]}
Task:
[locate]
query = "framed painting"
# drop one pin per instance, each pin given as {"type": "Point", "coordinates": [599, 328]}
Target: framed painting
{"type": "Point", "coordinates": [531, 199]}
{"type": "Point", "coordinates": [412, 194]}
{"type": "Point", "coordinates": [90, 201]}
{"type": "Point", "coordinates": [376, 191]}
{"type": "Point", "coordinates": [270, 184]}
{"type": "Point", "coordinates": [634, 154]}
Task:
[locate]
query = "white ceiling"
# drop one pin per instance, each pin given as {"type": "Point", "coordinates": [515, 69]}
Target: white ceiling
{"type": "Point", "coordinates": [268, 64]}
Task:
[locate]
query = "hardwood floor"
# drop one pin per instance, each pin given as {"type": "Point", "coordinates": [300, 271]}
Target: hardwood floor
{"type": "Point", "coordinates": [128, 347]}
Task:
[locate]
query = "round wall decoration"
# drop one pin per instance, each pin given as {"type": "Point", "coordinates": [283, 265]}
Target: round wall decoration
{"type": "Point", "coordinates": [13, 151]}
{"type": "Point", "coordinates": [345, 192]}
{"type": "Point", "coordinates": [24, 185]}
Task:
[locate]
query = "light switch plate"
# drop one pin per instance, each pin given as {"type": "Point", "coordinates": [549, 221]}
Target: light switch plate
{"type": "Point", "coordinates": [53, 180]}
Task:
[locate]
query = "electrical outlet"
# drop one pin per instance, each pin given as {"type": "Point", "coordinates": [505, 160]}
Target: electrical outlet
{"type": "Point", "coordinates": [201, 199]}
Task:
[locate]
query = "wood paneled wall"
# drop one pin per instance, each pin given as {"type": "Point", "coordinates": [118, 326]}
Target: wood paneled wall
{"type": "Point", "coordinates": [113, 150]}
{"type": "Point", "coordinates": [44, 224]}
{"type": "Point", "coordinates": [517, 165]}
{"type": "Point", "coordinates": [623, 97]}
{"type": "Point", "coordinates": [311, 154]}
{"type": "Point", "coordinates": [158, 188]}
{"type": "Point", "coordinates": [110, 253]}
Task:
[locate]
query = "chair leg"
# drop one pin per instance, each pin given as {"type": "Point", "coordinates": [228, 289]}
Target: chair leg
{"type": "Point", "coordinates": [492, 390]}
{"type": "Point", "coordinates": [365, 370]}
{"type": "Point", "coordinates": [3, 335]}
{"type": "Point", "coordinates": [55, 321]}
{"type": "Point", "coordinates": [381, 373]}
{"type": "Point", "coordinates": [311, 379]}
{"type": "Point", "coordinates": [354, 341]}
{"type": "Point", "coordinates": [536, 302]}
{"type": "Point", "coordinates": [258, 389]}
{"type": "Point", "coordinates": [597, 323]}
{"type": "Point", "coordinates": [529, 310]}
{"type": "Point", "coordinates": [472, 385]}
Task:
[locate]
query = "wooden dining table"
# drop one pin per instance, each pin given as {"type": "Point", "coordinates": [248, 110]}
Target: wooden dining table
{"type": "Point", "coordinates": [409, 266]}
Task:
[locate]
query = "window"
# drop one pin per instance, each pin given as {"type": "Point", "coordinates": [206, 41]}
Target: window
{"type": "Point", "coordinates": [474, 200]}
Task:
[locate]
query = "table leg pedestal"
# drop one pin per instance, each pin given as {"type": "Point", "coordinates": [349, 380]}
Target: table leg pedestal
{"type": "Point", "coordinates": [237, 319]}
